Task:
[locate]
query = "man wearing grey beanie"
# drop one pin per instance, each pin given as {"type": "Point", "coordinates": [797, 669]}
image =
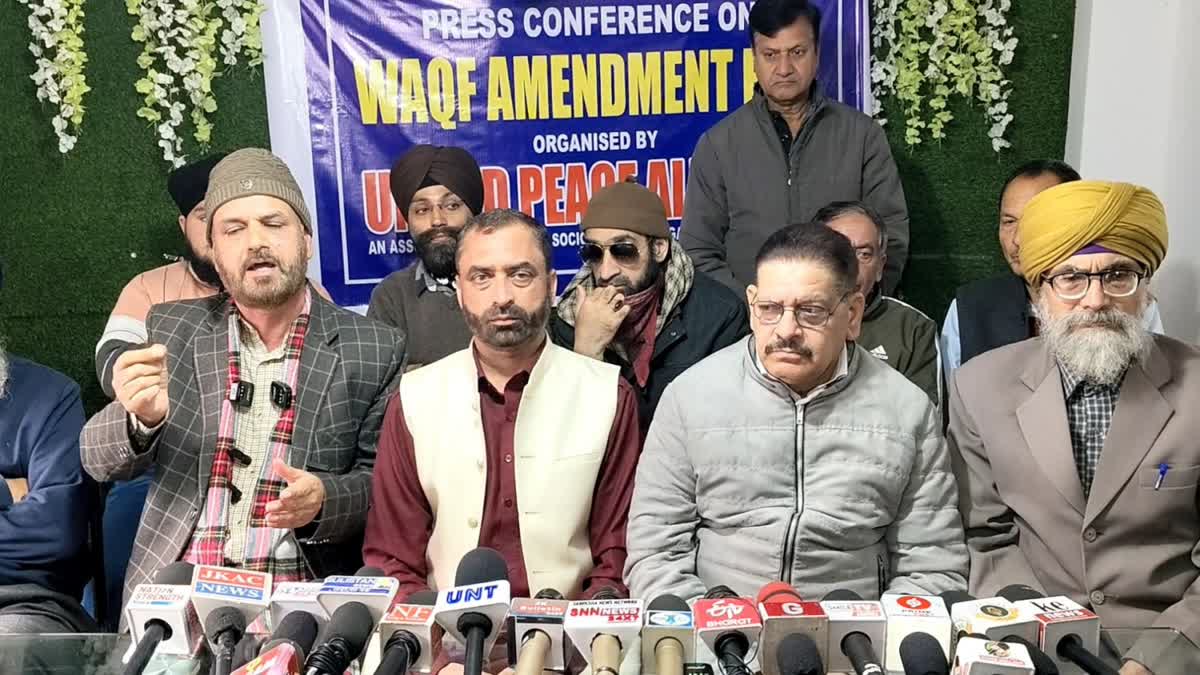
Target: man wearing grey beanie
{"type": "Point", "coordinates": [260, 408]}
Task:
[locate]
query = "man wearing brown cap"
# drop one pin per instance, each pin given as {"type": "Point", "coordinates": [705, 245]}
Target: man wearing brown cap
{"type": "Point", "coordinates": [259, 410]}
{"type": "Point", "coordinates": [438, 189]}
{"type": "Point", "coordinates": [1076, 450]}
{"type": "Point", "coordinates": [637, 301]}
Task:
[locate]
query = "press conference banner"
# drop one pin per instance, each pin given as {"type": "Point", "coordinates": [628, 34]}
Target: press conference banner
{"type": "Point", "coordinates": [554, 100]}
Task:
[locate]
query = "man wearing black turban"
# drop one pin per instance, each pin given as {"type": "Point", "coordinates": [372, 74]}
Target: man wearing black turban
{"type": "Point", "coordinates": [438, 189]}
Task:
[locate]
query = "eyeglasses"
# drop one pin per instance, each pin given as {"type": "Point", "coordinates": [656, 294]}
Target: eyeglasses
{"type": "Point", "coordinates": [808, 316]}
{"type": "Point", "coordinates": [1118, 283]}
{"type": "Point", "coordinates": [624, 252]}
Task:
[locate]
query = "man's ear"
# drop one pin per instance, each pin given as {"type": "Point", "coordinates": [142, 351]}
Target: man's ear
{"type": "Point", "coordinates": [661, 248]}
{"type": "Point", "coordinates": [183, 225]}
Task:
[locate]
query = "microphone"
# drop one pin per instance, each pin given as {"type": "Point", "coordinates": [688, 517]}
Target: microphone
{"type": "Point", "coordinates": [297, 596]}
{"type": "Point", "coordinates": [406, 633]}
{"type": "Point", "coordinates": [922, 654]}
{"type": "Point", "coordinates": [535, 627]}
{"type": "Point", "coordinates": [224, 626]}
{"type": "Point", "coordinates": [346, 636]}
{"type": "Point", "coordinates": [602, 629]}
{"type": "Point", "coordinates": [914, 614]}
{"type": "Point", "coordinates": [785, 613]}
{"type": "Point", "coordinates": [667, 641]}
{"type": "Point", "coordinates": [799, 654]}
{"type": "Point", "coordinates": [367, 586]}
{"type": "Point", "coordinates": [729, 625]}
{"type": "Point", "coordinates": [284, 652]}
{"type": "Point", "coordinates": [995, 618]}
{"type": "Point", "coordinates": [226, 587]}
{"type": "Point", "coordinates": [1068, 632]}
{"type": "Point", "coordinates": [856, 626]}
{"type": "Point", "coordinates": [980, 656]}
{"type": "Point", "coordinates": [474, 609]}
{"type": "Point", "coordinates": [246, 650]}
{"type": "Point", "coordinates": [161, 618]}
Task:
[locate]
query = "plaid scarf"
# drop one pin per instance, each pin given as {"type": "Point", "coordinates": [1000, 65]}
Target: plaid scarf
{"type": "Point", "coordinates": [677, 281]}
{"type": "Point", "coordinates": [262, 542]}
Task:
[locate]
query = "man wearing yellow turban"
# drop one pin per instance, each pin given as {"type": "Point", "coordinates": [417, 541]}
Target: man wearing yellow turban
{"type": "Point", "coordinates": [1076, 451]}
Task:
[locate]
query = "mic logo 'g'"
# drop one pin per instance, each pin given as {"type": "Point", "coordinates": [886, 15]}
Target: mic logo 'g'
{"type": "Point", "coordinates": [725, 610]}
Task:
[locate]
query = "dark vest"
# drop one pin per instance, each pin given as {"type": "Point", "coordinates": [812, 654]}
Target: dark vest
{"type": "Point", "coordinates": [992, 313]}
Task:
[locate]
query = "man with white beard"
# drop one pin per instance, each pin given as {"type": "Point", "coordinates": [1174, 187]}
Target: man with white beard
{"type": "Point", "coordinates": [1075, 447]}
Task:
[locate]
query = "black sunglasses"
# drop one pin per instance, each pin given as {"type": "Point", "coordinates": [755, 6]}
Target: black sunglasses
{"type": "Point", "coordinates": [624, 252]}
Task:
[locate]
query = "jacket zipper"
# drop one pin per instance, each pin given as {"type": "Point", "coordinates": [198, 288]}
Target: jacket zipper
{"type": "Point", "coordinates": [789, 542]}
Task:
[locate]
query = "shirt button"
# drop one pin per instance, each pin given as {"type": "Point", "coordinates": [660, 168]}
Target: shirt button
{"type": "Point", "coordinates": [508, 459]}
{"type": "Point", "coordinates": [508, 502]}
{"type": "Point", "coordinates": [479, 463]}
{"type": "Point", "coordinates": [1090, 535]}
{"type": "Point", "coordinates": [1097, 597]}
{"type": "Point", "coordinates": [472, 522]}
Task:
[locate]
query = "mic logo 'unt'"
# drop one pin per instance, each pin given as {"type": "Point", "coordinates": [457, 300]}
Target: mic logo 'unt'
{"type": "Point", "coordinates": [460, 595]}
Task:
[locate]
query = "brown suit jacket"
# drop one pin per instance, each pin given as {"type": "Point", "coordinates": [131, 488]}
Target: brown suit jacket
{"type": "Point", "coordinates": [1130, 552]}
{"type": "Point", "coordinates": [349, 368]}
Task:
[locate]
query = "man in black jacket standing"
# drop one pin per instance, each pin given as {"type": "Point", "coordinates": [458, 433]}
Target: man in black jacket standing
{"type": "Point", "coordinates": [637, 301]}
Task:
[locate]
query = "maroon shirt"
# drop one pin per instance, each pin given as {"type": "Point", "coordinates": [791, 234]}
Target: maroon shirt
{"type": "Point", "coordinates": [400, 519]}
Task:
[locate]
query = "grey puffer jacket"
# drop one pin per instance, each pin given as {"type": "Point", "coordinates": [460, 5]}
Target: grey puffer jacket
{"type": "Point", "coordinates": [742, 483]}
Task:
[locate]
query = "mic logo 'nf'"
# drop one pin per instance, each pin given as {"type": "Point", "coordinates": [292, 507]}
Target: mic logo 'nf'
{"type": "Point", "coordinates": [460, 595]}
{"type": "Point", "coordinates": [409, 613]}
{"type": "Point", "coordinates": [913, 602]}
{"type": "Point", "coordinates": [725, 610]}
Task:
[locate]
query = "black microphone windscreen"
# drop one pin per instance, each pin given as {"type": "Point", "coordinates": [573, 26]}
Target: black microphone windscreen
{"type": "Point", "coordinates": [842, 595]}
{"type": "Point", "coordinates": [481, 566]}
{"type": "Point", "coordinates": [1018, 592]}
{"type": "Point", "coordinates": [952, 598]}
{"type": "Point", "coordinates": [423, 598]}
{"type": "Point", "coordinates": [548, 594]}
{"type": "Point", "coordinates": [668, 603]}
{"type": "Point", "coordinates": [1042, 663]}
{"type": "Point", "coordinates": [922, 654]}
{"type": "Point", "coordinates": [797, 654]}
{"type": "Point", "coordinates": [607, 593]}
{"type": "Point", "coordinates": [368, 571]}
{"type": "Point", "coordinates": [224, 619]}
{"type": "Point", "coordinates": [353, 623]}
{"type": "Point", "coordinates": [176, 574]}
{"type": "Point", "coordinates": [297, 627]}
{"type": "Point", "coordinates": [245, 649]}
{"type": "Point", "coordinates": [718, 592]}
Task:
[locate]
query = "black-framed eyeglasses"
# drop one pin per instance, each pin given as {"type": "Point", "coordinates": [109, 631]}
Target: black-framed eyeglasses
{"type": "Point", "coordinates": [624, 252]}
{"type": "Point", "coordinates": [1074, 285]}
{"type": "Point", "coordinates": [770, 313]}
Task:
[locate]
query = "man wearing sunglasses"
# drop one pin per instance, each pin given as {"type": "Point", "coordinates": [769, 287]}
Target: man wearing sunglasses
{"type": "Point", "coordinates": [1077, 446]}
{"type": "Point", "coordinates": [794, 454]}
{"type": "Point", "coordinates": [438, 189]}
{"type": "Point", "coordinates": [637, 302]}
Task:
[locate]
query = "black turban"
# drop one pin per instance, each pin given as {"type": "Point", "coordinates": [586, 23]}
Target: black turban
{"type": "Point", "coordinates": [448, 166]}
{"type": "Point", "coordinates": [188, 183]}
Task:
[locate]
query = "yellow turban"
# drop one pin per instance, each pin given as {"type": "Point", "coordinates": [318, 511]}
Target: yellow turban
{"type": "Point", "coordinates": [1062, 220]}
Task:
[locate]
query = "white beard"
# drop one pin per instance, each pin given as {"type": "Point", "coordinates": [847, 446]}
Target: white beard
{"type": "Point", "coordinates": [1097, 347]}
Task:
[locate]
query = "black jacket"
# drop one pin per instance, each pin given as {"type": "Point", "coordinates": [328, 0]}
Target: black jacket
{"type": "Point", "coordinates": [710, 318]}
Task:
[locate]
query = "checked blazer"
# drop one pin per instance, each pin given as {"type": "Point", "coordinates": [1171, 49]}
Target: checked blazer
{"type": "Point", "coordinates": [350, 366]}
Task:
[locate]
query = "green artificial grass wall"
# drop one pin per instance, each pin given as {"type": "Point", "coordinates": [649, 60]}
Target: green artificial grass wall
{"type": "Point", "coordinates": [74, 230]}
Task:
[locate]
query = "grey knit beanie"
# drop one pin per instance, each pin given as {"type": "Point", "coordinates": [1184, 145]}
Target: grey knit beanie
{"type": "Point", "coordinates": [253, 171]}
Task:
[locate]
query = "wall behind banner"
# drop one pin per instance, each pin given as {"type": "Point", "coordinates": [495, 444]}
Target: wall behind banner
{"type": "Point", "coordinates": [73, 231]}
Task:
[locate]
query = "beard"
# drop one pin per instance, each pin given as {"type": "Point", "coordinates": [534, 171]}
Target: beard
{"type": "Point", "coordinates": [629, 286]}
{"type": "Point", "coordinates": [436, 247]}
{"type": "Point", "coordinates": [1098, 346]}
{"type": "Point", "coordinates": [526, 325]}
{"type": "Point", "coordinates": [290, 279]}
{"type": "Point", "coordinates": [4, 371]}
{"type": "Point", "coordinates": [203, 268]}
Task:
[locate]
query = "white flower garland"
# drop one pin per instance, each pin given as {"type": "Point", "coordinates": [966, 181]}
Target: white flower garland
{"type": "Point", "coordinates": [57, 46]}
{"type": "Point", "coordinates": [929, 50]}
{"type": "Point", "coordinates": [179, 60]}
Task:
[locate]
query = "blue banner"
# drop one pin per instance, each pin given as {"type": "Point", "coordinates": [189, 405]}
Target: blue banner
{"type": "Point", "coordinates": [553, 100]}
